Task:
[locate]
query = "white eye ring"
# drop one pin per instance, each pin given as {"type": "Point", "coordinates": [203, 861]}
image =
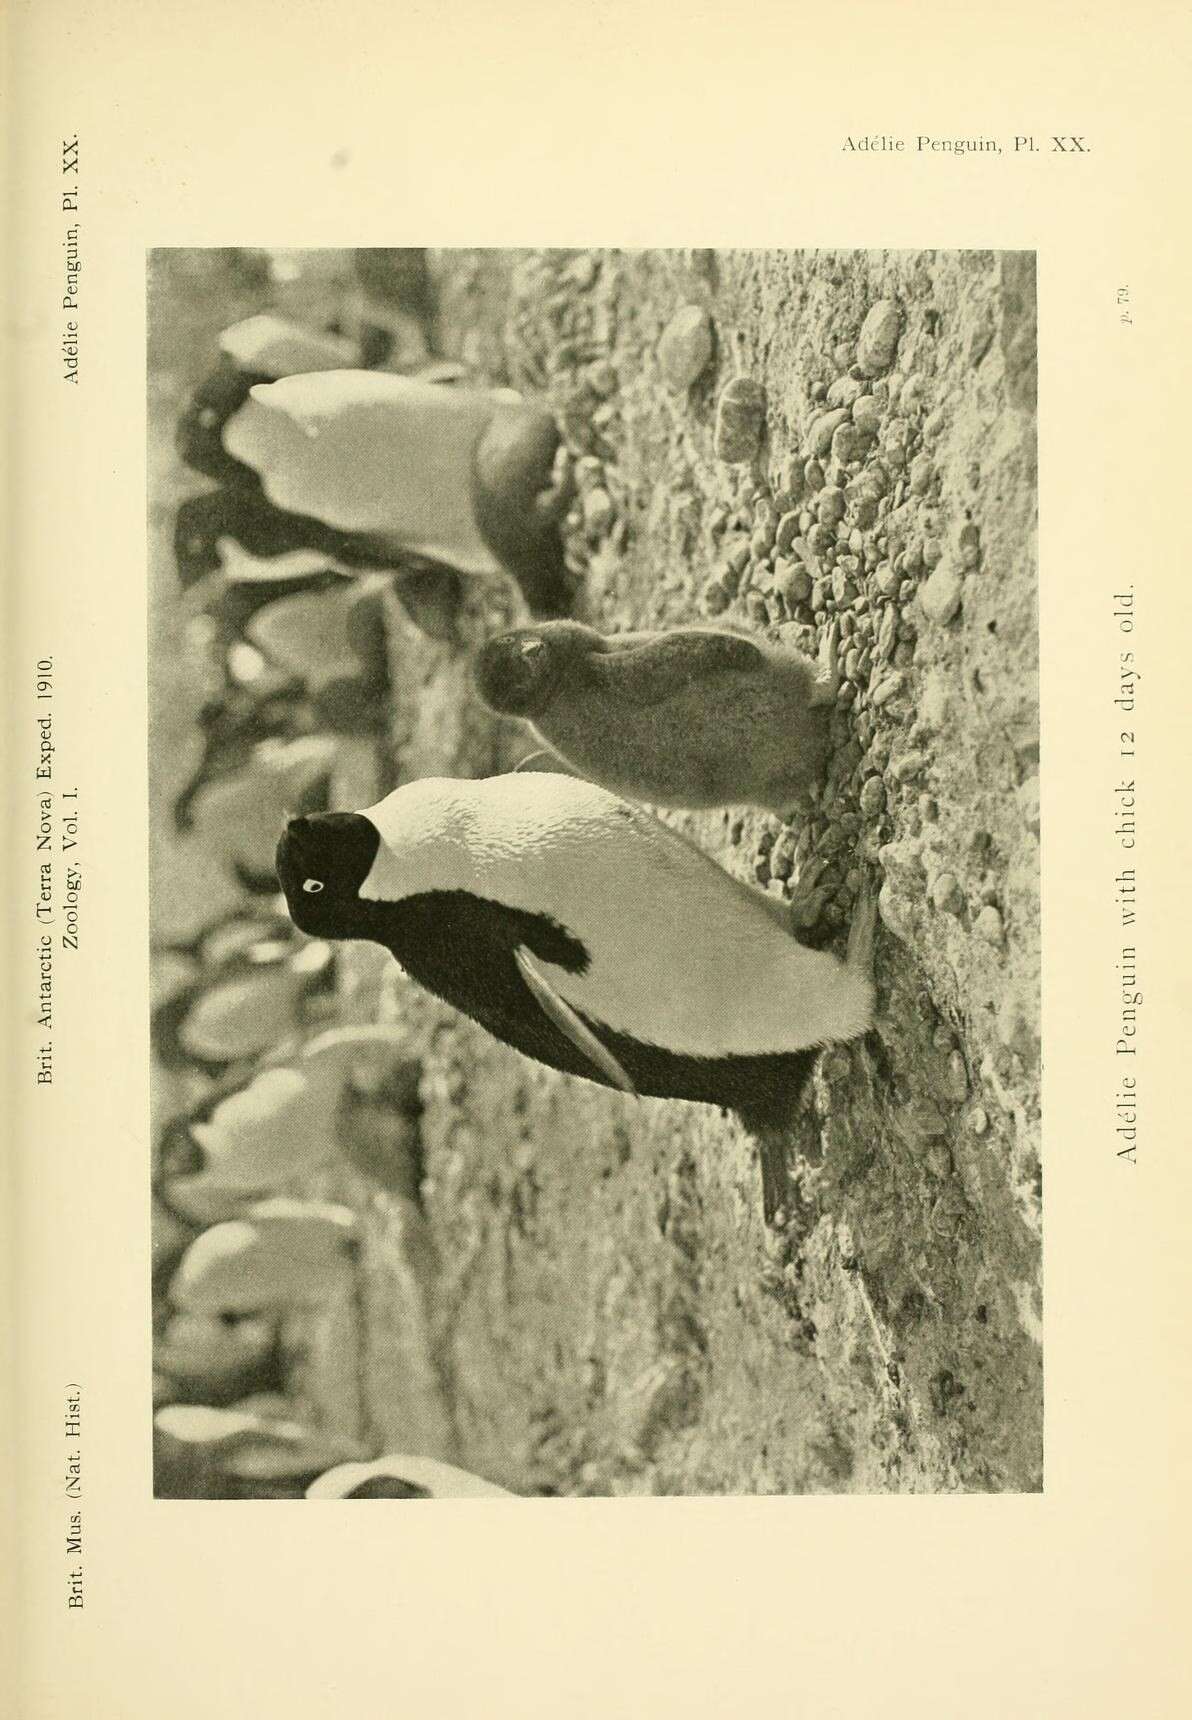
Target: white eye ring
{"type": "Point", "coordinates": [312, 886]}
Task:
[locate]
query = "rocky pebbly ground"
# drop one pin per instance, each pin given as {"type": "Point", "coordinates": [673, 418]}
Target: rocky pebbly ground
{"type": "Point", "coordinates": [582, 1295]}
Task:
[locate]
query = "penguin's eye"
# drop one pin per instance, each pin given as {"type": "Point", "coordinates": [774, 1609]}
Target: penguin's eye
{"type": "Point", "coordinates": [530, 649]}
{"type": "Point", "coordinates": [312, 886]}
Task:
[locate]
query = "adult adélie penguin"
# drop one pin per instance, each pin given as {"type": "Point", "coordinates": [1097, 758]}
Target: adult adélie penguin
{"type": "Point", "coordinates": [587, 934]}
{"type": "Point", "coordinates": [461, 477]}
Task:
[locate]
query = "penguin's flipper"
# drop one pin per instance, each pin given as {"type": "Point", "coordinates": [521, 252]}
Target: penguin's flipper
{"type": "Point", "coordinates": [649, 673]}
{"type": "Point", "coordinates": [569, 1024]}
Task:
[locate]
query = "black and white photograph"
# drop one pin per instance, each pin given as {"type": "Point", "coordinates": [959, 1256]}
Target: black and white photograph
{"type": "Point", "coordinates": [594, 872]}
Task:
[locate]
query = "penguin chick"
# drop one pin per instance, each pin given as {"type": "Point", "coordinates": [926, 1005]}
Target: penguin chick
{"type": "Point", "coordinates": [695, 717]}
{"type": "Point", "coordinates": [410, 467]}
{"type": "Point", "coordinates": [582, 931]}
{"type": "Point", "coordinates": [400, 1477]}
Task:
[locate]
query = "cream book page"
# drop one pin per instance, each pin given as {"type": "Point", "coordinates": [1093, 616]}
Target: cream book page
{"type": "Point", "coordinates": [594, 748]}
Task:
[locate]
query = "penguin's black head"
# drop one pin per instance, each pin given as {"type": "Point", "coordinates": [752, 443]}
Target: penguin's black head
{"type": "Point", "coordinates": [201, 425]}
{"type": "Point", "coordinates": [322, 860]}
{"type": "Point", "coordinates": [517, 673]}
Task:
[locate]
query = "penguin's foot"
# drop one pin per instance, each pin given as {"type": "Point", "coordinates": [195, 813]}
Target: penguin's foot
{"type": "Point", "coordinates": [862, 931]}
{"type": "Point", "coordinates": [828, 685]}
{"type": "Point", "coordinates": [809, 896]}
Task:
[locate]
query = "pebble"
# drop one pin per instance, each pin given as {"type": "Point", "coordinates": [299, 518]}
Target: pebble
{"type": "Point", "coordinates": [755, 608]}
{"type": "Point", "coordinates": [933, 552]}
{"type": "Point", "coordinates": [969, 547]}
{"type": "Point", "coordinates": [877, 479]}
{"type": "Point", "coordinates": [740, 420]}
{"type": "Point", "coordinates": [878, 340]}
{"type": "Point", "coordinates": [686, 347]}
{"type": "Point", "coordinates": [867, 415]}
{"type": "Point", "coordinates": [946, 894]}
{"type": "Point", "coordinates": [716, 597]}
{"type": "Point", "coordinates": [886, 580]}
{"type": "Point", "coordinates": [813, 476]}
{"type": "Point", "coordinates": [761, 542]}
{"type": "Point", "coordinates": [738, 556]}
{"type": "Point", "coordinates": [581, 270]}
{"type": "Point", "coordinates": [886, 633]}
{"type": "Point", "coordinates": [786, 533]}
{"type": "Point", "coordinates": [602, 379]}
{"type": "Point", "coordinates": [913, 394]}
{"type": "Point", "coordinates": [790, 477]}
{"type": "Point", "coordinates": [599, 511]}
{"type": "Point", "coordinates": [921, 473]}
{"type": "Point", "coordinates": [844, 391]}
{"type": "Point", "coordinates": [718, 521]}
{"type": "Point", "coordinates": [978, 1119]}
{"type": "Point", "coordinates": [939, 1160]}
{"type": "Point", "coordinates": [845, 444]}
{"type": "Point", "coordinates": [907, 766]}
{"type": "Point", "coordinates": [791, 582]}
{"type": "Point", "coordinates": [873, 797]}
{"type": "Point", "coordinates": [988, 925]}
{"type": "Point", "coordinates": [957, 1078]}
{"type": "Point", "coordinates": [830, 508]}
{"type": "Point", "coordinates": [887, 688]}
{"type": "Point", "coordinates": [819, 437]}
{"type": "Point", "coordinates": [843, 590]}
{"type": "Point", "coordinates": [890, 911]}
{"type": "Point", "coordinates": [940, 595]}
{"type": "Point", "coordinates": [1028, 800]}
{"type": "Point", "coordinates": [782, 856]}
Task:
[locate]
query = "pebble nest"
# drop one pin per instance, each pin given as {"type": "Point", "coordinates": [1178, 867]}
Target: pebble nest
{"type": "Point", "coordinates": [583, 1297]}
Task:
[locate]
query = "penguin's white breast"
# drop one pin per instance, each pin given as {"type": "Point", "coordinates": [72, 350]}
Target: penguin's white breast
{"type": "Point", "coordinates": [681, 956]}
